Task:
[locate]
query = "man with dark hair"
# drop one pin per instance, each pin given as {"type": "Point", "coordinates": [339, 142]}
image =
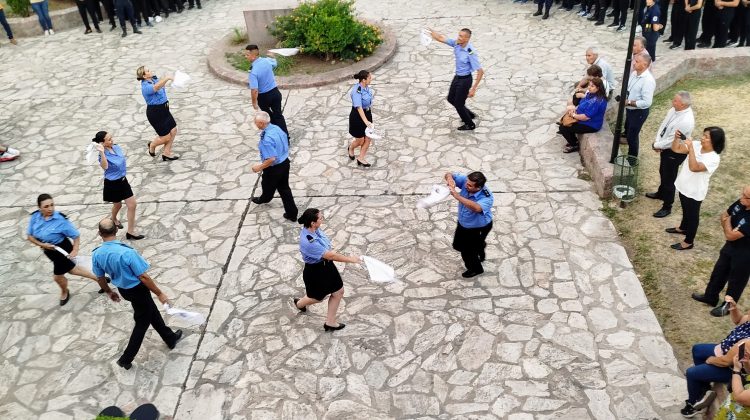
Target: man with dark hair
{"type": "Point", "coordinates": [262, 83]}
{"type": "Point", "coordinates": [128, 272]}
{"type": "Point", "coordinates": [474, 218]}
{"type": "Point", "coordinates": [467, 62]}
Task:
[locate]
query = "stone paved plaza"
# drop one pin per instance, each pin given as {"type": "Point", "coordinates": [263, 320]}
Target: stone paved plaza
{"type": "Point", "coordinates": [558, 327]}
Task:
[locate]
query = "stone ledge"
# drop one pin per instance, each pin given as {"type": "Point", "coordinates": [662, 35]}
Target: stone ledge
{"type": "Point", "coordinates": [61, 20]}
{"type": "Point", "coordinates": [596, 148]}
{"type": "Point", "coordinates": [218, 65]}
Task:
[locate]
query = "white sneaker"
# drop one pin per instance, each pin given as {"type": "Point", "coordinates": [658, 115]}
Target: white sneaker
{"type": "Point", "coordinates": [46, 33]}
{"type": "Point", "coordinates": [51, 31]}
{"type": "Point", "coordinates": [12, 151]}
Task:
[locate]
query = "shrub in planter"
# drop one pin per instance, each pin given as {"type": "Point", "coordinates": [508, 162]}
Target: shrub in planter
{"type": "Point", "coordinates": [329, 29]}
{"type": "Point", "coordinates": [19, 7]}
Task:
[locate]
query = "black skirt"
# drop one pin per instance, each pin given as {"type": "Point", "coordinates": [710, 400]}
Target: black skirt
{"type": "Point", "coordinates": [160, 118]}
{"type": "Point", "coordinates": [356, 125]}
{"type": "Point", "coordinates": [117, 190]}
{"type": "Point", "coordinates": [321, 279]}
{"type": "Point", "coordinates": [61, 263]}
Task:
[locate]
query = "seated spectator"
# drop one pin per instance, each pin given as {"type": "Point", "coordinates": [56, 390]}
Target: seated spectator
{"type": "Point", "coordinates": [711, 363]}
{"type": "Point", "coordinates": [737, 404]}
{"type": "Point", "coordinates": [596, 71]}
{"type": "Point", "coordinates": [593, 57]}
{"type": "Point", "coordinates": [580, 91]}
{"type": "Point", "coordinates": [7, 154]}
{"type": "Point", "coordinates": [4, 22]}
{"type": "Point", "coordinates": [589, 115]}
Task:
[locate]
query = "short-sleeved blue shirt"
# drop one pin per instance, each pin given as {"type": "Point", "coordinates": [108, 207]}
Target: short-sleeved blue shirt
{"type": "Point", "coordinates": [467, 217]}
{"type": "Point", "coordinates": [53, 230]}
{"type": "Point", "coordinates": [467, 60]}
{"type": "Point", "coordinates": [261, 74]}
{"type": "Point", "coordinates": [361, 96]}
{"type": "Point", "coordinates": [116, 163]}
{"type": "Point", "coordinates": [121, 262]}
{"type": "Point", "coordinates": [273, 143]}
{"type": "Point", "coordinates": [594, 108]}
{"type": "Point", "coordinates": [312, 245]}
{"type": "Point", "coordinates": [153, 98]}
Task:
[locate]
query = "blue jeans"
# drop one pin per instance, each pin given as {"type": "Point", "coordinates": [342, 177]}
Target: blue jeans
{"type": "Point", "coordinates": [700, 376]}
{"type": "Point", "coordinates": [42, 12]}
{"type": "Point", "coordinates": [4, 22]}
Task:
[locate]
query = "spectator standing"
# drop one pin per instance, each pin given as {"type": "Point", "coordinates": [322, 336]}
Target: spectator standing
{"type": "Point", "coordinates": [41, 8]}
{"type": "Point", "coordinates": [84, 7]}
{"type": "Point", "coordinates": [651, 27]}
{"type": "Point", "coordinates": [124, 9]}
{"type": "Point", "coordinates": [547, 4]}
{"type": "Point", "coordinates": [641, 86]}
{"type": "Point", "coordinates": [6, 26]}
{"type": "Point", "coordinates": [725, 14]}
{"type": "Point", "coordinates": [693, 10]}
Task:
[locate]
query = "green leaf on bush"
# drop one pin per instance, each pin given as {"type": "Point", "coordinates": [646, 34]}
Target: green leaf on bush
{"type": "Point", "coordinates": [19, 7]}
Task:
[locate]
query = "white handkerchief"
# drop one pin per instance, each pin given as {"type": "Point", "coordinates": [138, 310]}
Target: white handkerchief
{"type": "Point", "coordinates": [373, 134]}
{"type": "Point", "coordinates": [425, 38]}
{"type": "Point", "coordinates": [286, 52]}
{"type": "Point", "coordinates": [192, 318]}
{"type": "Point", "coordinates": [438, 193]}
{"type": "Point", "coordinates": [91, 154]}
{"type": "Point", "coordinates": [380, 272]}
{"type": "Point", "coordinates": [181, 79]}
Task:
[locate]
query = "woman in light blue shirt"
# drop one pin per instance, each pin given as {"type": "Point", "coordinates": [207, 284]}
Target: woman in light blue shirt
{"type": "Point", "coordinates": [360, 117]}
{"type": "Point", "coordinates": [116, 187]}
{"type": "Point", "coordinates": [321, 276]}
{"type": "Point", "coordinates": [157, 111]}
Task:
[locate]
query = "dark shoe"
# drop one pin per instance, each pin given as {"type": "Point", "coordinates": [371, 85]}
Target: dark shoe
{"type": "Point", "coordinates": [351, 157]}
{"type": "Point", "coordinates": [112, 28]}
{"type": "Point", "coordinates": [653, 195]}
{"type": "Point", "coordinates": [199, 7]}
{"type": "Point", "coordinates": [166, 158]}
{"type": "Point", "coordinates": [330, 328]}
{"type": "Point", "coordinates": [599, 23]}
{"type": "Point", "coordinates": [152, 154]}
{"type": "Point", "coordinates": [707, 399]}
{"type": "Point", "coordinates": [612, 25]}
{"type": "Point", "coordinates": [63, 302]}
{"type": "Point", "coordinates": [678, 246]}
{"type": "Point", "coordinates": [537, 13]}
{"type": "Point", "coordinates": [703, 45]}
{"type": "Point", "coordinates": [546, 16]}
{"type": "Point", "coordinates": [366, 165]}
{"type": "Point", "coordinates": [570, 149]}
{"type": "Point", "coordinates": [667, 40]}
{"type": "Point", "coordinates": [119, 225]}
{"type": "Point", "coordinates": [133, 237]}
{"type": "Point", "coordinates": [591, 18]}
{"type": "Point", "coordinates": [125, 366]}
{"type": "Point", "coordinates": [621, 28]}
{"type": "Point", "coordinates": [688, 411]}
{"type": "Point", "coordinates": [177, 337]}
{"type": "Point", "coordinates": [662, 213]}
{"type": "Point", "coordinates": [290, 218]}
{"type": "Point", "coordinates": [674, 46]}
{"type": "Point", "coordinates": [719, 311]}
{"type": "Point", "coordinates": [674, 230]}
{"type": "Point", "coordinates": [256, 200]}
{"type": "Point", "coordinates": [98, 30]}
{"type": "Point", "coordinates": [471, 273]}
{"type": "Point", "coordinates": [704, 299]}
{"type": "Point", "coordinates": [109, 280]}
{"type": "Point", "coordinates": [137, 31]}
{"type": "Point", "coordinates": [611, 14]}
{"type": "Point", "coordinates": [472, 115]}
{"type": "Point", "coordinates": [466, 127]}
{"type": "Point", "coordinates": [191, 7]}
{"type": "Point", "coordinates": [303, 309]}
{"type": "Point", "coordinates": [124, 34]}
{"type": "Point", "coordinates": [87, 31]}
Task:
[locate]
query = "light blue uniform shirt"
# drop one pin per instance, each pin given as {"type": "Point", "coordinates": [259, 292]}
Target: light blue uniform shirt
{"type": "Point", "coordinates": [467, 61]}
{"type": "Point", "coordinates": [153, 98]}
{"type": "Point", "coordinates": [261, 74]}
{"type": "Point", "coordinates": [273, 143]}
{"type": "Point", "coordinates": [116, 165]}
{"type": "Point", "coordinates": [467, 217]}
{"type": "Point", "coordinates": [53, 230]}
{"type": "Point", "coordinates": [312, 245]}
{"type": "Point", "coordinates": [641, 89]}
{"type": "Point", "coordinates": [121, 262]}
{"type": "Point", "coordinates": [361, 96]}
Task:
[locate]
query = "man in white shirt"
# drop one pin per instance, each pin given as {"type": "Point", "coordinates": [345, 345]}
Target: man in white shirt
{"type": "Point", "coordinates": [593, 57]}
{"type": "Point", "coordinates": [679, 118]}
{"type": "Point", "coordinates": [641, 88]}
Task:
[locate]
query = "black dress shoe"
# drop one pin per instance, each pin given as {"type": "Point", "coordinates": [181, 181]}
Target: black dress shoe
{"type": "Point", "coordinates": [546, 16]}
{"type": "Point", "coordinates": [612, 25]}
{"type": "Point", "coordinates": [662, 213]}
{"type": "Point", "coordinates": [133, 237]}
{"type": "Point", "coordinates": [721, 310]}
{"type": "Point", "coordinates": [124, 34]}
{"type": "Point", "coordinates": [112, 28]}
{"type": "Point", "coordinates": [678, 246]}
{"type": "Point", "coordinates": [471, 273]}
{"type": "Point", "coordinates": [537, 13]}
{"type": "Point", "coordinates": [137, 31]}
{"type": "Point", "coordinates": [467, 127]}
{"type": "Point", "coordinates": [256, 200]}
{"type": "Point", "coordinates": [667, 40]}
{"type": "Point", "coordinates": [653, 195]}
{"type": "Point", "coordinates": [674, 230]}
{"type": "Point", "coordinates": [87, 31]}
{"type": "Point", "coordinates": [366, 165]}
{"type": "Point", "coordinates": [290, 218]}
{"type": "Point", "coordinates": [303, 309]}
{"type": "Point", "coordinates": [166, 158]}
{"type": "Point", "coordinates": [63, 302]}
{"type": "Point", "coordinates": [125, 366]}
{"type": "Point", "coordinates": [674, 46]}
{"type": "Point", "coordinates": [704, 299]}
{"type": "Point", "coordinates": [177, 337]}
{"type": "Point", "coordinates": [591, 18]}
{"type": "Point", "coordinates": [330, 328]}
{"type": "Point", "coordinates": [472, 115]}
{"type": "Point", "coordinates": [599, 23]}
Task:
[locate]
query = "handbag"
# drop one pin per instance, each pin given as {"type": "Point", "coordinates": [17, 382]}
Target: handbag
{"type": "Point", "coordinates": [566, 120]}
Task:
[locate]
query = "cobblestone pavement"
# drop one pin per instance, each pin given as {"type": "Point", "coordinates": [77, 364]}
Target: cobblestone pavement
{"type": "Point", "coordinates": [557, 327]}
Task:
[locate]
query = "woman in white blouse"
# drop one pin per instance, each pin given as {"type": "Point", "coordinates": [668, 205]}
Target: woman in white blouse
{"type": "Point", "coordinates": [692, 181]}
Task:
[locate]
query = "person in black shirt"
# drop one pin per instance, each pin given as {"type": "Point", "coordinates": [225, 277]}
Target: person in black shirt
{"type": "Point", "coordinates": [732, 266]}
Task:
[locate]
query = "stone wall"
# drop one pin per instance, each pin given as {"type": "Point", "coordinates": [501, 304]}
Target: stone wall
{"type": "Point", "coordinates": [61, 20]}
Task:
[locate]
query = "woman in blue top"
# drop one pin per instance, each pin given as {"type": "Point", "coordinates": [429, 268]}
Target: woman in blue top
{"type": "Point", "coordinates": [49, 229]}
{"type": "Point", "coordinates": [320, 275]}
{"type": "Point", "coordinates": [589, 115]}
{"type": "Point", "coordinates": [116, 187]}
{"type": "Point", "coordinates": [157, 112]}
{"type": "Point", "coordinates": [360, 117]}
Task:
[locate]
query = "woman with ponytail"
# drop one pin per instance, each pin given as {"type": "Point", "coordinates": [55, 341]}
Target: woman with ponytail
{"type": "Point", "coordinates": [360, 117]}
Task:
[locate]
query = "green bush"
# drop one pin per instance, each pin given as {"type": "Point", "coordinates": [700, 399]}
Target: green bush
{"type": "Point", "coordinates": [240, 62]}
{"type": "Point", "coordinates": [239, 36]}
{"type": "Point", "coordinates": [19, 7]}
{"type": "Point", "coordinates": [327, 28]}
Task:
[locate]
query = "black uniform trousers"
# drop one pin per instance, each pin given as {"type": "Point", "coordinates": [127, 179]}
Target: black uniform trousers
{"type": "Point", "coordinates": [633, 123]}
{"type": "Point", "coordinates": [145, 313]}
{"type": "Point", "coordinates": [84, 7]}
{"type": "Point", "coordinates": [691, 217]}
{"type": "Point", "coordinates": [669, 165]}
{"type": "Point", "coordinates": [708, 21]}
{"type": "Point", "coordinates": [621, 12]}
{"type": "Point", "coordinates": [601, 10]}
{"type": "Point", "coordinates": [723, 20]}
{"type": "Point", "coordinates": [457, 94]}
{"type": "Point", "coordinates": [470, 242]}
{"type": "Point", "coordinates": [663, 13]}
{"type": "Point", "coordinates": [692, 22]}
{"type": "Point", "coordinates": [109, 7]}
{"type": "Point", "coordinates": [744, 37]}
{"type": "Point", "coordinates": [678, 20]}
{"type": "Point", "coordinates": [277, 178]}
{"type": "Point", "coordinates": [270, 102]}
{"type": "Point", "coordinates": [142, 10]}
{"type": "Point", "coordinates": [651, 39]}
{"type": "Point", "coordinates": [732, 267]}
{"type": "Point", "coordinates": [124, 10]}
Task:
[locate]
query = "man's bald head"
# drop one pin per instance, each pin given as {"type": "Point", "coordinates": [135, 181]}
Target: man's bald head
{"type": "Point", "coordinates": [107, 228]}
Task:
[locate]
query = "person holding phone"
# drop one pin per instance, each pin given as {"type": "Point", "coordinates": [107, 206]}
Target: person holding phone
{"type": "Point", "coordinates": [737, 404]}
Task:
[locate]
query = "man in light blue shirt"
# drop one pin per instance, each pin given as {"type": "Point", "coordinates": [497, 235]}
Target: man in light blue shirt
{"type": "Point", "coordinates": [641, 87]}
{"type": "Point", "coordinates": [475, 202]}
{"type": "Point", "coordinates": [262, 83]}
{"type": "Point", "coordinates": [467, 62]}
{"type": "Point", "coordinates": [127, 269]}
{"type": "Point", "coordinates": [274, 157]}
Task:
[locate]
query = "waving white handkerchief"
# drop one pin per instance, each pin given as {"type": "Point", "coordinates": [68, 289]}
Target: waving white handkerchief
{"type": "Point", "coordinates": [438, 193]}
{"type": "Point", "coordinates": [380, 272]}
{"type": "Point", "coordinates": [192, 318]}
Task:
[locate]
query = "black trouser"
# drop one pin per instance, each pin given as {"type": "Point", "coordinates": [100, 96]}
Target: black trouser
{"type": "Point", "coordinates": [669, 165]}
{"type": "Point", "coordinates": [192, 3]}
{"type": "Point", "coordinates": [124, 10]}
{"type": "Point", "coordinates": [270, 102]}
{"type": "Point", "coordinates": [109, 7]}
{"type": "Point", "coordinates": [723, 20]}
{"type": "Point", "coordinates": [141, 9]}
{"type": "Point", "coordinates": [708, 21]}
{"type": "Point", "coordinates": [145, 313]}
{"type": "Point", "coordinates": [623, 9]}
{"type": "Point", "coordinates": [678, 20]}
{"type": "Point", "coordinates": [745, 28]}
{"type": "Point", "coordinates": [691, 213]}
{"type": "Point", "coordinates": [457, 95]}
{"type": "Point", "coordinates": [732, 267]}
{"type": "Point", "coordinates": [277, 178]}
{"type": "Point", "coordinates": [602, 10]}
{"type": "Point", "coordinates": [737, 23]}
{"type": "Point", "coordinates": [87, 6]}
{"type": "Point", "coordinates": [663, 13]}
{"type": "Point", "coordinates": [470, 243]}
{"type": "Point", "coordinates": [571, 133]}
{"type": "Point", "coordinates": [547, 4]}
{"type": "Point", "coordinates": [693, 20]}
{"type": "Point", "coordinates": [633, 122]}
{"type": "Point", "coordinates": [651, 38]}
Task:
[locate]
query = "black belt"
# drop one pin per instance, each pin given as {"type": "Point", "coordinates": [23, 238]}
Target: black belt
{"type": "Point", "coordinates": [363, 109]}
{"type": "Point", "coordinates": [463, 77]}
{"type": "Point", "coordinates": [115, 180]}
{"type": "Point", "coordinates": [165, 104]}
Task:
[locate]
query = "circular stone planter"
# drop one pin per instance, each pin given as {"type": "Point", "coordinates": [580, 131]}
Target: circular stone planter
{"type": "Point", "coordinates": [219, 66]}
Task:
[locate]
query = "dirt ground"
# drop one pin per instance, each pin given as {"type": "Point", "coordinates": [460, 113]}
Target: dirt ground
{"type": "Point", "coordinates": [669, 276]}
